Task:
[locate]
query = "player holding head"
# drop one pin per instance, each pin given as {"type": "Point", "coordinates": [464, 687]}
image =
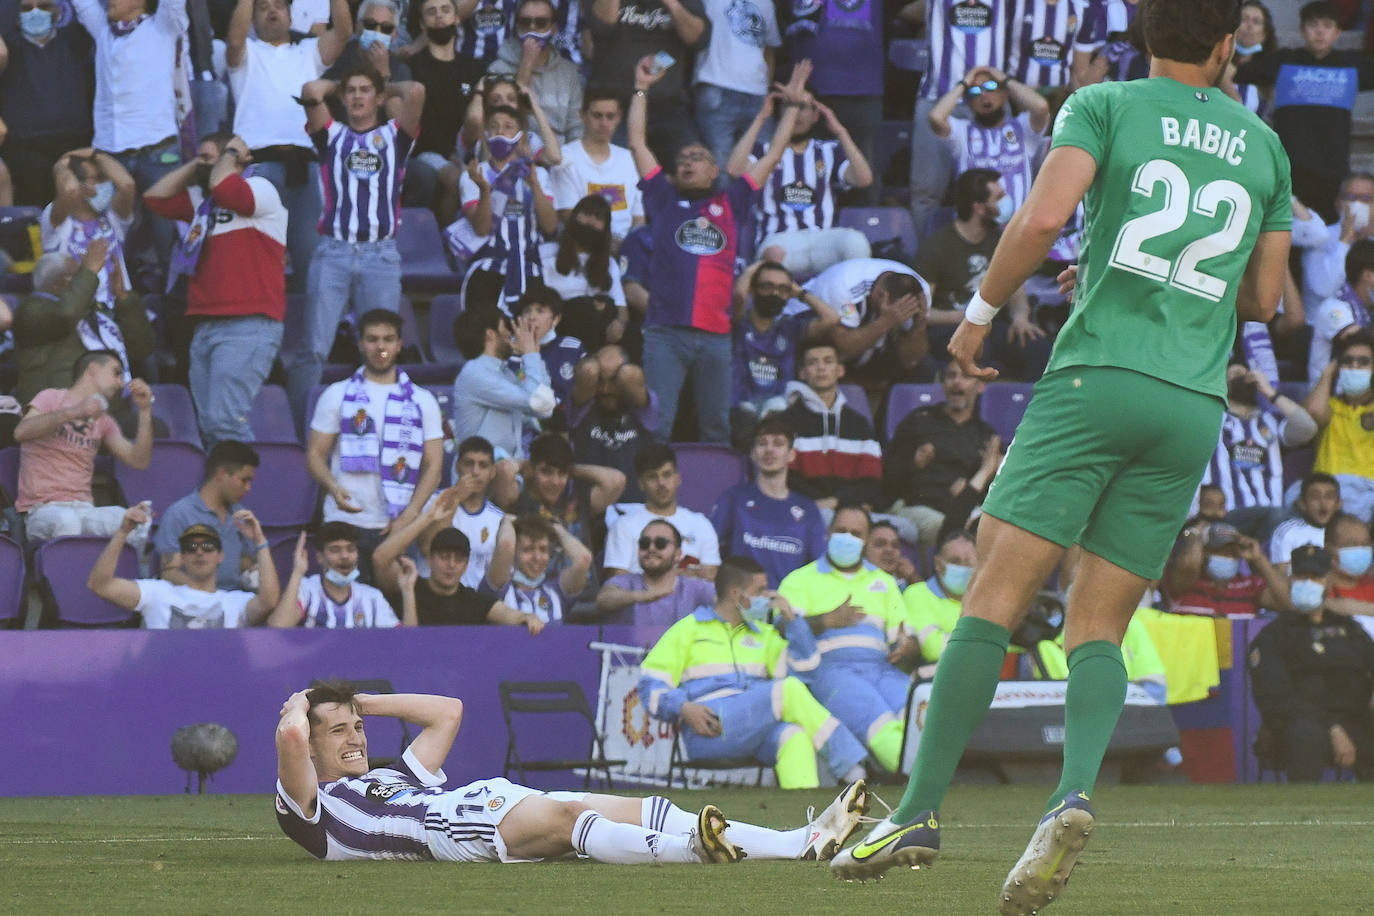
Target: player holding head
{"type": "Point", "coordinates": [1188, 216]}
{"type": "Point", "coordinates": [331, 802]}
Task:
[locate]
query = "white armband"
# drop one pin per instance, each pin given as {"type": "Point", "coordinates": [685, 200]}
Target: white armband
{"type": "Point", "coordinates": [979, 311]}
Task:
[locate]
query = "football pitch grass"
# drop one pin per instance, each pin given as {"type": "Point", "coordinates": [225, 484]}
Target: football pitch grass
{"type": "Point", "coordinates": [1176, 849]}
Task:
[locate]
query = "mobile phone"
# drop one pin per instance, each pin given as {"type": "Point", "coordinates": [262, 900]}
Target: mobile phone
{"type": "Point", "coordinates": [662, 61]}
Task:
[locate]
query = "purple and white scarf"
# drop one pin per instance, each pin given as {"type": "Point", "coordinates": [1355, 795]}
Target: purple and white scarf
{"type": "Point", "coordinates": [396, 455]}
{"type": "Point", "coordinates": [186, 252]}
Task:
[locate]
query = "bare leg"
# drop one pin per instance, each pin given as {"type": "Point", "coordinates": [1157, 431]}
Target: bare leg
{"type": "Point", "coordinates": [1013, 565]}
{"type": "Point", "coordinates": [1102, 602]}
{"type": "Point", "coordinates": [540, 828]}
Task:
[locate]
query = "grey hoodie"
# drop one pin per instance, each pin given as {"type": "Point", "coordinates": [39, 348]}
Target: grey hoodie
{"type": "Point", "coordinates": [558, 85]}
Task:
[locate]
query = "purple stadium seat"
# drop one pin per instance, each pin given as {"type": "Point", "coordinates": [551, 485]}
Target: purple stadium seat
{"type": "Point", "coordinates": [310, 400]}
{"type": "Point", "coordinates": [283, 492]}
{"type": "Point", "coordinates": [1003, 405]}
{"type": "Point", "coordinates": [909, 54]}
{"type": "Point", "coordinates": [270, 416]}
{"type": "Point", "coordinates": [881, 224]}
{"type": "Point", "coordinates": [939, 218]}
{"type": "Point", "coordinates": [175, 470]}
{"type": "Point", "coordinates": [11, 580]}
{"type": "Point", "coordinates": [9, 471]}
{"type": "Point", "coordinates": [284, 554]}
{"type": "Point", "coordinates": [410, 328]}
{"type": "Point", "coordinates": [443, 310]}
{"type": "Point", "coordinates": [65, 562]}
{"type": "Point", "coordinates": [424, 265]}
{"type": "Point", "coordinates": [905, 397]}
{"type": "Point", "coordinates": [172, 405]}
{"type": "Point", "coordinates": [708, 470]}
{"type": "Point", "coordinates": [855, 397]}
{"type": "Point", "coordinates": [1297, 463]}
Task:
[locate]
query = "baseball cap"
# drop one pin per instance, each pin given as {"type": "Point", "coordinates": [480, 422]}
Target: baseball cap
{"type": "Point", "coordinates": [451, 540]}
{"type": "Point", "coordinates": [1310, 562]}
{"type": "Point", "coordinates": [199, 532]}
{"type": "Point", "coordinates": [1220, 534]}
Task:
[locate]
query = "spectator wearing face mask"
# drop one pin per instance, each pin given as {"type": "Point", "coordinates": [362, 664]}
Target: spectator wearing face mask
{"type": "Point", "coordinates": [1313, 677]}
{"type": "Point", "coordinates": [373, 44]}
{"type": "Point", "coordinates": [579, 268]}
{"type": "Point", "coordinates": [1203, 575]}
{"type": "Point", "coordinates": [538, 567]}
{"type": "Point", "coordinates": [95, 200]}
{"type": "Point", "coordinates": [1345, 312]}
{"type": "Point", "coordinates": [1352, 587]}
{"type": "Point", "coordinates": [933, 606]}
{"type": "Point", "coordinates": [1343, 405]}
{"type": "Point", "coordinates": [530, 55]}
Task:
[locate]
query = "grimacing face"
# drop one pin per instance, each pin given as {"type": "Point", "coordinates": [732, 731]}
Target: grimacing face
{"type": "Point", "coordinates": [338, 743]}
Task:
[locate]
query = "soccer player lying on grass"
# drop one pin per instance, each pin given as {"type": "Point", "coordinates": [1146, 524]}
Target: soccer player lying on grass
{"type": "Point", "coordinates": [330, 802]}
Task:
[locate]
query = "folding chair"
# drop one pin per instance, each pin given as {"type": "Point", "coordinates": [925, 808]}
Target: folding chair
{"type": "Point", "coordinates": [172, 405]}
{"type": "Point", "coordinates": [63, 562]}
{"type": "Point", "coordinates": [1003, 405]}
{"type": "Point", "coordinates": [708, 470]}
{"type": "Point", "coordinates": [905, 397]}
{"type": "Point", "coordinates": [11, 583]}
{"type": "Point", "coordinates": [424, 264]}
{"type": "Point", "coordinates": [552, 698]}
{"type": "Point", "coordinates": [677, 761]}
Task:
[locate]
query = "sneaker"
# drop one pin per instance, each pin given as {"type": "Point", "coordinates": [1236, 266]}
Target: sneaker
{"type": "Point", "coordinates": [709, 841]}
{"type": "Point", "coordinates": [1044, 868]}
{"type": "Point", "coordinates": [889, 845]}
{"type": "Point", "coordinates": [827, 834]}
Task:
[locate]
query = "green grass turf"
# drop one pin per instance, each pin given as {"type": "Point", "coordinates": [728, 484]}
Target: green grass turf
{"type": "Point", "coordinates": [1190, 849]}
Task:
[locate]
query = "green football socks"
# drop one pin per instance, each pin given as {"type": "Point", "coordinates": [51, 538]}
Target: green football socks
{"type": "Point", "coordinates": [1092, 705]}
{"type": "Point", "coordinates": [965, 681]}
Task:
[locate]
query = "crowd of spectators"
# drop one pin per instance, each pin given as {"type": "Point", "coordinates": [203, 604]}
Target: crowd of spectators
{"type": "Point", "coordinates": [642, 205]}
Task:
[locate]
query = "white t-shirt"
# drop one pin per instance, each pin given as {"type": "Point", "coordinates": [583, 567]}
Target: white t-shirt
{"type": "Point", "coordinates": [616, 179]}
{"type": "Point", "coordinates": [365, 607]}
{"type": "Point", "coordinates": [1292, 534]}
{"type": "Point", "coordinates": [305, 13]}
{"type": "Point", "coordinates": [165, 606]}
{"type": "Point", "coordinates": [570, 286]}
{"type": "Point", "coordinates": [480, 527]}
{"type": "Point", "coordinates": [700, 545]}
{"type": "Point", "coordinates": [366, 489]}
{"type": "Point", "coordinates": [72, 236]}
{"type": "Point", "coordinates": [265, 84]}
{"type": "Point", "coordinates": [740, 30]}
{"type": "Point", "coordinates": [845, 287]}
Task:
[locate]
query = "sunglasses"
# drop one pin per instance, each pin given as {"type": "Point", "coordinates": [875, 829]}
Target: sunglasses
{"type": "Point", "coordinates": [532, 22]}
{"type": "Point", "coordinates": [973, 92]}
{"type": "Point", "coordinates": [658, 543]}
{"type": "Point", "coordinates": [200, 547]}
{"type": "Point", "coordinates": [372, 25]}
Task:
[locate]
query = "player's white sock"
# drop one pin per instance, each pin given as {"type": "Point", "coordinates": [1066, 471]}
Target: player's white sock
{"type": "Point", "coordinates": [658, 813]}
{"type": "Point", "coordinates": [604, 840]}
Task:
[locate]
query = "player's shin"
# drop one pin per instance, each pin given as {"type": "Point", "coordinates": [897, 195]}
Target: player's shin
{"type": "Point", "coordinates": [1093, 699]}
{"type": "Point", "coordinates": [604, 840]}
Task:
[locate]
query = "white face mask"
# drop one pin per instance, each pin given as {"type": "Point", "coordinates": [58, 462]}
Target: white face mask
{"type": "Point", "coordinates": [1359, 209]}
{"type": "Point", "coordinates": [334, 577]}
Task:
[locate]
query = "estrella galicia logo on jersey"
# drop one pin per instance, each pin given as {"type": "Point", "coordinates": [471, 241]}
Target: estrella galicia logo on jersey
{"type": "Point", "coordinates": [700, 237]}
{"type": "Point", "coordinates": [379, 792]}
{"type": "Point", "coordinates": [970, 17]}
{"type": "Point", "coordinates": [364, 163]}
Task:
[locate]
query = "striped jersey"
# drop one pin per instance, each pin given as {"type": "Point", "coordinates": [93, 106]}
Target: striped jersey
{"type": "Point", "coordinates": [387, 813]}
{"type": "Point", "coordinates": [1103, 27]}
{"type": "Point", "coordinates": [1248, 464]}
{"type": "Point", "coordinates": [481, 34]}
{"type": "Point", "coordinates": [963, 35]}
{"type": "Point", "coordinates": [800, 192]}
{"type": "Point", "coordinates": [365, 607]}
{"type": "Point", "coordinates": [512, 247]}
{"type": "Point", "coordinates": [360, 177]}
{"type": "Point", "coordinates": [1042, 33]}
{"type": "Point", "coordinates": [547, 602]}
{"type": "Point", "coordinates": [1010, 149]}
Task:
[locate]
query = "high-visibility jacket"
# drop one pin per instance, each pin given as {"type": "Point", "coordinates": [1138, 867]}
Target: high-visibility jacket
{"type": "Point", "coordinates": [818, 588]}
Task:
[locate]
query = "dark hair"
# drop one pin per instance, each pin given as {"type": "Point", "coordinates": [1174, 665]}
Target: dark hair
{"type": "Point", "coordinates": [808, 345]}
{"type": "Point", "coordinates": [652, 456]}
{"type": "Point", "coordinates": [1271, 39]}
{"type": "Point", "coordinates": [220, 138]}
{"type": "Point", "coordinates": [896, 285]}
{"type": "Point", "coordinates": [1319, 9]}
{"type": "Point", "coordinates": [553, 450]}
{"type": "Point", "coordinates": [493, 111]}
{"type": "Point", "coordinates": [495, 79]}
{"type": "Point", "coordinates": [1342, 345]}
{"type": "Point", "coordinates": [973, 187]}
{"type": "Point", "coordinates": [373, 317]}
{"type": "Point", "coordinates": [93, 356]}
{"type": "Point", "coordinates": [852, 507]}
{"type": "Point", "coordinates": [677, 535]}
{"type": "Point", "coordinates": [736, 572]}
{"type": "Point", "coordinates": [767, 265]}
{"type": "Point", "coordinates": [476, 444]}
{"type": "Point", "coordinates": [471, 326]}
{"type": "Point", "coordinates": [957, 534]}
{"type": "Point", "coordinates": [1358, 259]}
{"type": "Point", "coordinates": [774, 425]}
{"type": "Point", "coordinates": [333, 690]}
{"type": "Point", "coordinates": [602, 95]}
{"type": "Point", "coordinates": [1187, 31]}
{"type": "Point", "coordinates": [367, 71]}
{"type": "Point", "coordinates": [1314, 478]}
{"type": "Point", "coordinates": [1211, 486]}
{"type": "Point", "coordinates": [229, 455]}
{"type": "Point", "coordinates": [598, 269]}
{"type": "Point", "coordinates": [883, 523]}
{"type": "Point", "coordinates": [330, 532]}
{"type": "Point", "coordinates": [533, 525]}
{"type": "Point", "coordinates": [450, 540]}
{"type": "Point", "coordinates": [539, 294]}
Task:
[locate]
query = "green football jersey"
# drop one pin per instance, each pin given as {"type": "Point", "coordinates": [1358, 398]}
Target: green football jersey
{"type": "Point", "coordinates": [1186, 181]}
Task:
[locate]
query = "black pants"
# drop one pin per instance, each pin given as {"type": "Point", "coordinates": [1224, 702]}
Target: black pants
{"type": "Point", "coordinates": [1305, 748]}
{"type": "Point", "coordinates": [31, 161]}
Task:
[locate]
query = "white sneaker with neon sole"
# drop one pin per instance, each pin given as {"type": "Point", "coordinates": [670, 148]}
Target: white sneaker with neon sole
{"type": "Point", "coordinates": [827, 834]}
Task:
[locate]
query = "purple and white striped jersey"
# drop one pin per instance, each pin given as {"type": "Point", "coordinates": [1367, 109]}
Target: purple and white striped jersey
{"type": "Point", "coordinates": [1042, 33]}
{"type": "Point", "coordinates": [360, 175]}
{"type": "Point", "coordinates": [480, 36]}
{"type": "Point", "coordinates": [963, 35]}
{"type": "Point", "coordinates": [1011, 149]}
{"type": "Point", "coordinates": [1103, 24]}
{"type": "Point", "coordinates": [800, 192]}
{"type": "Point", "coordinates": [366, 607]}
{"type": "Point", "coordinates": [1248, 464]}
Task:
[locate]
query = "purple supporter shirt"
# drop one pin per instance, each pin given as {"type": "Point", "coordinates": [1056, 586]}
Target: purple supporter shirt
{"type": "Point", "coordinates": [361, 175]}
{"type": "Point", "coordinates": [781, 534]}
{"type": "Point", "coordinates": [845, 45]}
{"type": "Point", "coordinates": [761, 364]}
{"type": "Point", "coordinates": [689, 593]}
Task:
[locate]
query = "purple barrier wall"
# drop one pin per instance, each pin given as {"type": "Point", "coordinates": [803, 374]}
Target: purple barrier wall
{"type": "Point", "coordinates": [93, 712]}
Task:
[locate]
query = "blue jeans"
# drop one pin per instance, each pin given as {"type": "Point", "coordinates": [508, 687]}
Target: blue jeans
{"type": "Point", "coordinates": [669, 354]}
{"type": "Point", "coordinates": [303, 205]}
{"type": "Point", "coordinates": [151, 239]}
{"type": "Point", "coordinates": [230, 359]}
{"type": "Point", "coordinates": [365, 273]}
{"type": "Point", "coordinates": [210, 98]}
{"type": "Point", "coordinates": [723, 115]}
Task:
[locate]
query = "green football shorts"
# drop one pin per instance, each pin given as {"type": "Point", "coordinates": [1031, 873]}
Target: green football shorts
{"type": "Point", "coordinates": [1110, 459]}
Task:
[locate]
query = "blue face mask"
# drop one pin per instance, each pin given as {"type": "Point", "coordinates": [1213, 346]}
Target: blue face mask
{"type": "Point", "coordinates": [1249, 49]}
{"type": "Point", "coordinates": [501, 147]}
{"type": "Point", "coordinates": [542, 37]}
{"type": "Point", "coordinates": [1354, 561]}
{"type": "Point", "coordinates": [337, 578]}
{"type": "Point", "coordinates": [35, 23]}
{"type": "Point", "coordinates": [955, 579]}
{"type": "Point", "coordinates": [757, 609]}
{"type": "Point", "coordinates": [844, 549]}
{"type": "Point", "coordinates": [1223, 569]}
{"type": "Point", "coordinates": [367, 38]}
{"type": "Point", "coordinates": [104, 194]}
{"type": "Point", "coordinates": [1306, 594]}
{"type": "Point", "coordinates": [1352, 382]}
{"type": "Point", "coordinates": [1006, 209]}
{"type": "Point", "coordinates": [527, 581]}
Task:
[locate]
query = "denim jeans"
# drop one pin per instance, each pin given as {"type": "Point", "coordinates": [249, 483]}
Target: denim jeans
{"type": "Point", "coordinates": [669, 354]}
{"type": "Point", "coordinates": [230, 359]}
{"type": "Point", "coordinates": [150, 241]}
{"type": "Point", "coordinates": [723, 115]}
{"type": "Point", "coordinates": [932, 167]}
{"type": "Point", "coordinates": [303, 205]}
{"type": "Point", "coordinates": [367, 274]}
